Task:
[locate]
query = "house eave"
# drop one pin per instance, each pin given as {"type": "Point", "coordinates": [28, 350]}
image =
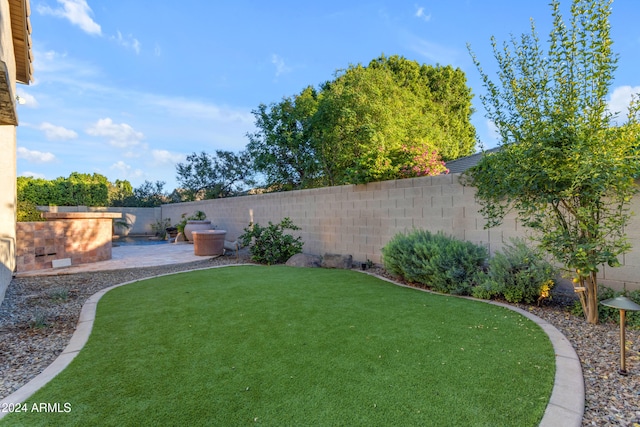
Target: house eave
{"type": "Point", "coordinates": [21, 33]}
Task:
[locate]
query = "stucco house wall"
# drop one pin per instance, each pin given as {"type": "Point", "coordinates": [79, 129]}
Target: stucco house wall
{"type": "Point", "coordinates": [15, 66]}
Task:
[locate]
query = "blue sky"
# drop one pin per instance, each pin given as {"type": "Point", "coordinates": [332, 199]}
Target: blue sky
{"type": "Point", "coordinates": [129, 88]}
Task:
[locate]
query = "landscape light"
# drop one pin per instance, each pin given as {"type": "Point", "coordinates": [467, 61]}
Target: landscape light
{"type": "Point", "coordinates": [623, 304]}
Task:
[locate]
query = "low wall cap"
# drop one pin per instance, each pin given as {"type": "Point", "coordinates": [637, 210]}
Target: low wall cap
{"type": "Point", "coordinates": [81, 215]}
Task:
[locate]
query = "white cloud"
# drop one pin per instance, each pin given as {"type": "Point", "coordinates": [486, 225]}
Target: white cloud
{"type": "Point", "coordinates": [57, 133]}
{"type": "Point", "coordinates": [164, 157]}
{"type": "Point", "coordinates": [420, 14]}
{"type": "Point", "coordinates": [58, 68]}
{"type": "Point", "coordinates": [281, 67]}
{"type": "Point", "coordinates": [33, 174]}
{"type": "Point", "coordinates": [77, 12]}
{"type": "Point", "coordinates": [118, 135]}
{"type": "Point", "coordinates": [35, 156]}
{"type": "Point", "coordinates": [433, 51]}
{"type": "Point", "coordinates": [199, 110]}
{"type": "Point", "coordinates": [126, 170]}
{"type": "Point", "coordinates": [129, 42]}
{"type": "Point", "coordinates": [620, 99]}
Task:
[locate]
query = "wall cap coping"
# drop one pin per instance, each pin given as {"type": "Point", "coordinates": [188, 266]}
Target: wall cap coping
{"type": "Point", "coordinates": [81, 215]}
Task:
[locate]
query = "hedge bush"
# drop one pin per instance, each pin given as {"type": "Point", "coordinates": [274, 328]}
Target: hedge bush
{"type": "Point", "coordinates": [517, 273]}
{"type": "Point", "coordinates": [27, 212]}
{"type": "Point", "coordinates": [440, 262]}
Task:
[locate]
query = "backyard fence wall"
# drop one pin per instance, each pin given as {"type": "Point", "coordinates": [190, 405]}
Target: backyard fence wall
{"type": "Point", "coordinates": [360, 219]}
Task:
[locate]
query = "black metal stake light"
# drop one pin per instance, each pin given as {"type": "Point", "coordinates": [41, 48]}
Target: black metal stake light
{"type": "Point", "coordinates": [623, 304]}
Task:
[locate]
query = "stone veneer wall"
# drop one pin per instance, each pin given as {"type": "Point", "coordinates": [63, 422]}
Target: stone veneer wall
{"type": "Point", "coordinates": [140, 220]}
{"type": "Point", "coordinates": [360, 219]}
{"type": "Point", "coordinates": [81, 240]}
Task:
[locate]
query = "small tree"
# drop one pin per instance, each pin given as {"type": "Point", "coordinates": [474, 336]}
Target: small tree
{"type": "Point", "coordinates": [148, 194]}
{"type": "Point", "coordinates": [206, 176]}
{"type": "Point", "coordinates": [119, 192]}
{"type": "Point", "coordinates": [282, 148]}
{"type": "Point", "coordinates": [564, 166]}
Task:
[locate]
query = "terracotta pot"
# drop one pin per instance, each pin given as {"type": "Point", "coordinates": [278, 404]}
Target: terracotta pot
{"type": "Point", "coordinates": [196, 225]}
{"type": "Point", "coordinates": [208, 242]}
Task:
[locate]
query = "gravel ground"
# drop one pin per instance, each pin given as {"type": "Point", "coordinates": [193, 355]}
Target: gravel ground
{"type": "Point", "coordinates": [39, 315]}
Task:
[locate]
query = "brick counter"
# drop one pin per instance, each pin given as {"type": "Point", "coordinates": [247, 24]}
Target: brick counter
{"type": "Point", "coordinates": [81, 237]}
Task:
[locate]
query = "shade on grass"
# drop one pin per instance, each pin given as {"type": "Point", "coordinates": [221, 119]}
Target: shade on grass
{"type": "Point", "coordinates": [279, 346]}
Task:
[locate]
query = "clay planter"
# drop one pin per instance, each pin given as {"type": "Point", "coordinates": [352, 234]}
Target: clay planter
{"type": "Point", "coordinates": [208, 242]}
{"type": "Point", "coordinates": [193, 225]}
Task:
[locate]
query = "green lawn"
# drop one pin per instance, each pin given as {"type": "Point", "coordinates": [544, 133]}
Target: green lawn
{"type": "Point", "coordinates": [253, 345]}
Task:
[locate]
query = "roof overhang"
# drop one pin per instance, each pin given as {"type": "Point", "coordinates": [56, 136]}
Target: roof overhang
{"type": "Point", "coordinates": [21, 31]}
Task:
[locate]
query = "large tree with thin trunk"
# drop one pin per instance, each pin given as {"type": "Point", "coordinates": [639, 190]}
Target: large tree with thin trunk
{"type": "Point", "coordinates": [566, 167]}
{"type": "Point", "coordinates": [376, 122]}
{"type": "Point", "coordinates": [391, 119]}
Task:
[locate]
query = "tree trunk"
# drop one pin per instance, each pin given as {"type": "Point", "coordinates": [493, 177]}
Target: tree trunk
{"type": "Point", "coordinates": [590, 300]}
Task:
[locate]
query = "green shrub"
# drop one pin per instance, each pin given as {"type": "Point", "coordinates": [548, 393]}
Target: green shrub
{"type": "Point", "coordinates": [519, 274]}
{"type": "Point", "coordinates": [438, 261]}
{"type": "Point", "coordinates": [198, 216]}
{"type": "Point", "coordinates": [487, 289]}
{"type": "Point", "coordinates": [609, 314]}
{"type": "Point", "coordinates": [27, 212]}
{"type": "Point", "coordinates": [270, 245]}
{"type": "Point", "coordinates": [160, 227]}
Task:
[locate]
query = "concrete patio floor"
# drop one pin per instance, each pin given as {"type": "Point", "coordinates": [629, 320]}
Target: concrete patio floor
{"type": "Point", "coordinates": [131, 256]}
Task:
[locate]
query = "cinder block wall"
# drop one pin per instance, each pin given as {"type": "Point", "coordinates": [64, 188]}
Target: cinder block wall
{"type": "Point", "coordinates": [360, 219]}
{"type": "Point", "coordinates": [81, 240]}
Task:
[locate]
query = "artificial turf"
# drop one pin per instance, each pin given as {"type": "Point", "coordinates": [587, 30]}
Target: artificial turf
{"type": "Point", "coordinates": [253, 345]}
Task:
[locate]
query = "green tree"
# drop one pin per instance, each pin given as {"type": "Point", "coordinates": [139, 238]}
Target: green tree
{"type": "Point", "coordinates": [374, 122]}
{"type": "Point", "coordinates": [564, 167]}
{"type": "Point", "coordinates": [147, 195]}
{"type": "Point", "coordinates": [445, 96]}
{"type": "Point", "coordinates": [282, 149]}
{"type": "Point", "coordinates": [119, 192]}
{"type": "Point", "coordinates": [393, 118]}
{"type": "Point", "coordinates": [78, 189]}
{"type": "Point", "coordinates": [88, 189]}
{"type": "Point", "coordinates": [204, 176]}
{"type": "Point", "coordinates": [363, 121]}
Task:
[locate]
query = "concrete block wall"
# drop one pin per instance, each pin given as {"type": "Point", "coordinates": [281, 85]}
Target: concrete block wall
{"type": "Point", "coordinates": [81, 240]}
{"type": "Point", "coordinates": [357, 219]}
{"type": "Point", "coordinates": [360, 219]}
